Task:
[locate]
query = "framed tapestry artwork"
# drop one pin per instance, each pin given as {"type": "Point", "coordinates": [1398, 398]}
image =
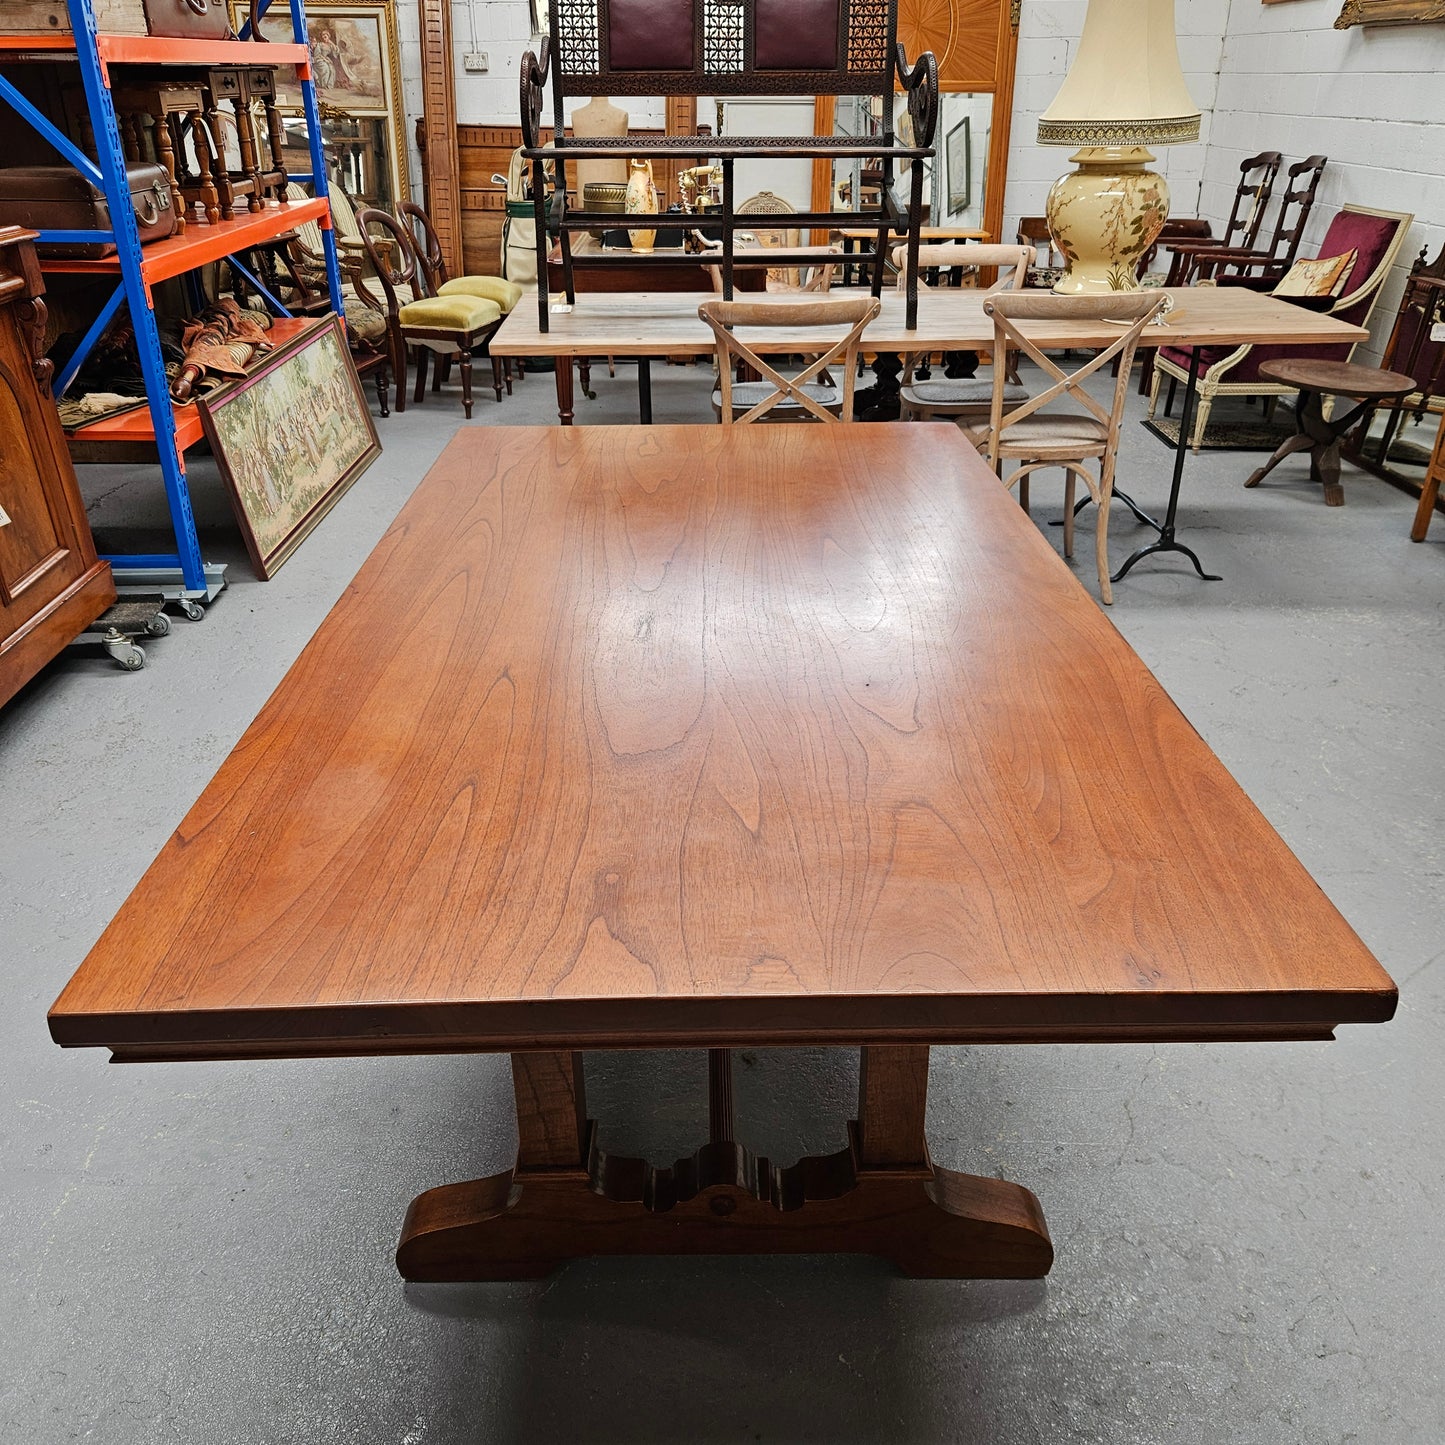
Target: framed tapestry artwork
{"type": "Point", "coordinates": [356, 65]}
{"type": "Point", "coordinates": [958, 152]}
{"type": "Point", "coordinates": [289, 439]}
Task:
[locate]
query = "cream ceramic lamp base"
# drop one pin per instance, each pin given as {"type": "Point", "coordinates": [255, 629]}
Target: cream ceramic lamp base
{"type": "Point", "coordinates": [1104, 216]}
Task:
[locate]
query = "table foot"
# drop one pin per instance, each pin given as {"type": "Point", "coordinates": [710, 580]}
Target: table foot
{"type": "Point", "coordinates": [930, 1223]}
{"type": "Point", "coordinates": [1165, 544]}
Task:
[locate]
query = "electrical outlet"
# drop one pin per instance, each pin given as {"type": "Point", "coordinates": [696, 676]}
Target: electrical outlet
{"type": "Point", "coordinates": [475, 61]}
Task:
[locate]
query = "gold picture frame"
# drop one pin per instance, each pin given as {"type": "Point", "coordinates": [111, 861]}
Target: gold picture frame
{"type": "Point", "coordinates": [1390, 12]}
{"type": "Point", "coordinates": [355, 65]}
{"type": "Point", "coordinates": [289, 439]}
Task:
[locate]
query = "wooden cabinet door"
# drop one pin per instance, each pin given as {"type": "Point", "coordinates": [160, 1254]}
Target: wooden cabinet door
{"type": "Point", "coordinates": [51, 584]}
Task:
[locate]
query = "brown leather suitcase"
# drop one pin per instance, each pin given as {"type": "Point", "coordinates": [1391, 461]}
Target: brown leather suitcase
{"type": "Point", "coordinates": [188, 19]}
{"type": "Point", "coordinates": [58, 198]}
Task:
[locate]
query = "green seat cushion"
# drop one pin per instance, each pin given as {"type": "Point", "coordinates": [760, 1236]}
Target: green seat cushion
{"type": "Point", "coordinates": [451, 313]}
{"type": "Point", "coordinates": [491, 288]}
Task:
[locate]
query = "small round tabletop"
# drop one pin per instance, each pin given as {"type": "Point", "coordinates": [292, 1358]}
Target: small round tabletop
{"type": "Point", "coordinates": [1337, 378]}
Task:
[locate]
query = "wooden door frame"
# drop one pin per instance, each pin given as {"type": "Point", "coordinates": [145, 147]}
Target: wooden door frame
{"type": "Point", "coordinates": [1000, 125]}
{"type": "Point", "coordinates": [442, 169]}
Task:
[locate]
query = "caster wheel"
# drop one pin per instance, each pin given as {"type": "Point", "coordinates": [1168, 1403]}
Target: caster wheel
{"type": "Point", "coordinates": [190, 608]}
{"type": "Point", "coordinates": [159, 625]}
{"type": "Point", "coordinates": [133, 660]}
{"type": "Point", "coordinates": [124, 651]}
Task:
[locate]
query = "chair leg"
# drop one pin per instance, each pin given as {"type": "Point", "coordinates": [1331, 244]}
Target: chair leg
{"type": "Point", "coordinates": [1169, 400]}
{"type": "Point", "coordinates": [466, 357]}
{"type": "Point", "coordinates": [381, 379]}
{"type": "Point", "coordinates": [1068, 511]}
{"type": "Point", "coordinates": [441, 371]}
{"type": "Point", "coordinates": [497, 378]}
{"type": "Point", "coordinates": [399, 355]}
{"type": "Point", "coordinates": [1101, 530]}
{"type": "Point", "coordinates": [1201, 419]}
{"type": "Point", "coordinates": [423, 356]}
{"type": "Point", "coordinates": [1426, 509]}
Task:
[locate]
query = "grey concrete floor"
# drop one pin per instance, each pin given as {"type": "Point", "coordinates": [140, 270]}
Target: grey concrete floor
{"type": "Point", "coordinates": [1249, 1237]}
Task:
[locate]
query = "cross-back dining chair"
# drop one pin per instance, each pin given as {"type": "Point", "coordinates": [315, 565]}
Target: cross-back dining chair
{"type": "Point", "coordinates": [1033, 439]}
{"type": "Point", "coordinates": [964, 398]}
{"type": "Point", "coordinates": [806, 396]}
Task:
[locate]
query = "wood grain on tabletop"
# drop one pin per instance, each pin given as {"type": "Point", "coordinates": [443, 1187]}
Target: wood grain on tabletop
{"type": "Point", "coordinates": [949, 318]}
{"type": "Point", "coordinates": [703, 734]}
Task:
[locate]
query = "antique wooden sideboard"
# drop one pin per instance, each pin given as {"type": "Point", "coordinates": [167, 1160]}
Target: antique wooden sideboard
{"type": "Point", "coordinates": [52, 585]}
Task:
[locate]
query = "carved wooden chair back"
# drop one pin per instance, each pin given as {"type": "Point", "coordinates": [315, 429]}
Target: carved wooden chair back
{"type": "Point", "coordinates": [1302, 184]}
{"type": "Point", "coordinates": [1251, 198]}
{"type": "Point", "coordinates": [427, 244]}
{"type": "Point", "coordinates": [393, 260]}
{"type": "Point", "coordinates": [854, 313]}
{"type": "Point", "coordinates": [1024, 433]}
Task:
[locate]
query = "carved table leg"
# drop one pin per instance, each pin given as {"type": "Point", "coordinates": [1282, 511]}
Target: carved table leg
{"type": "Point", "coordinates": [564, 390]}
{"type": "Point", "coordinates": [566, 1198]}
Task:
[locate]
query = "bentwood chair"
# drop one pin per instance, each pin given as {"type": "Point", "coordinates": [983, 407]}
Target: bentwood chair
{"type": "Point", "coordinates": [965, 398]}
{"type": "Point", "coordinates": [806, 396]}
{"type": "Point", "coordinates": [452, 327]}
{"type": "Point", "coordinates": [1030, 439]}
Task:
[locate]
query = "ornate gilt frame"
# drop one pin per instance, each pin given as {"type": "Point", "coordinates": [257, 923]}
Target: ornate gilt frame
{"type": "Point", "coordinates": [1390, 12]}
{"type": "Point", "coordinates": [385, 12]}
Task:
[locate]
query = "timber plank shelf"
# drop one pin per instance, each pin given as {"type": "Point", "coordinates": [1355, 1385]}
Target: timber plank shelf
{"type": "Point", "coordinates": [201, 242]}
{"type": "Point", "coordinates": [155, 50]}
{"type": "Point", "coordinates": [136, 429]}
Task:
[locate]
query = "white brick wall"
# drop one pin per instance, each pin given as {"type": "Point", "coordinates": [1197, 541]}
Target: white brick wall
{"type": "Point", "coordinates": [1369, 99]}
{"type": "Point", "coordinates": [1049, 33]}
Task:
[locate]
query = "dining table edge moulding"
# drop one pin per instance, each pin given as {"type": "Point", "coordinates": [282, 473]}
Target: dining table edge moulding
{"type": "Point", "coordinates": [727, 47]}
{"type": "Point", "coordinates": [761, 815]}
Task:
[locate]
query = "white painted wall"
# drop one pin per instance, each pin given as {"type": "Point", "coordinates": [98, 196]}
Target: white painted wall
{"type": "Point", "coordinates": [1370, 99]}
{"type": "Point", "coordinates": [1049, 33]}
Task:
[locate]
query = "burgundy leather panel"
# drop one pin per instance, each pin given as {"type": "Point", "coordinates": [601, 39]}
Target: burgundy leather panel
{"type": "Point", "coordinates": [797, 34]}
{"type": "Point", "coordinates": [650, 34]}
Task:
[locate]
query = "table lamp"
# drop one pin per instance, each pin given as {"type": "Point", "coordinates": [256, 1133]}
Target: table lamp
{"type": "Point", "coordinates": [1123, 93]}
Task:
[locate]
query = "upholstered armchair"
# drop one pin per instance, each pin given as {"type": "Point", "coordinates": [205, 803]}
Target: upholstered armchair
{"type": "Point", "coordinates": [1375, 237]}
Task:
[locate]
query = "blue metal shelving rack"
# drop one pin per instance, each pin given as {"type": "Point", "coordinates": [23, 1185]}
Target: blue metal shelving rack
{"type": "Point", "coordinates": [183, 576]}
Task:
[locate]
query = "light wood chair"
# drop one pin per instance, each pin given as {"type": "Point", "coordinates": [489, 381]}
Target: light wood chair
{"type": "Point", "coordinates": [1434, 476]}
{"type": "Point", "coordinates": [1035, 440]}
{"type": "Point", "coordinates": [783, 398]}
{"type": "Point", "coordinates": [965, 399]}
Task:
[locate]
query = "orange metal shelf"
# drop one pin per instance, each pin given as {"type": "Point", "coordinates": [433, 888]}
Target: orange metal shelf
{"type": "Point", "coordinates": [135, 426]}
{"type": "Point", "coordinates": [200, 243]}
{"type": "Point", "coordinates": [152, 50]}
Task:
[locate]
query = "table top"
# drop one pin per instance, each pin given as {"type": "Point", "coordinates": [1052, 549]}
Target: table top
{"type": "Point", "coordinates": [690, 736]}
{"type": "Point", "coordinates": [1342, 378]}
{"type": "Point", "coordinates": [651, 323]}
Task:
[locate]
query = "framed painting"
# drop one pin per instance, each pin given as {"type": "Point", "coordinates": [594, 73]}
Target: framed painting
{"type": "Point", "coordinates": [356, 65]}
{"type": "Point", "coordinates": [289, 439]}
{"type": "Point", "coordinates": [958, 153]}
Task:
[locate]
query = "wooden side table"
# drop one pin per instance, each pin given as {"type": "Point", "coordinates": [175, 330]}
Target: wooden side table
{"type": "Point", "coordinates": [1318, 435]}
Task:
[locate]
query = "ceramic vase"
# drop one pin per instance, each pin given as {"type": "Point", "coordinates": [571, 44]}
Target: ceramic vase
{"type": "Point", "coordinates": [641, 201]}
{"type": "Point", "coordinates": [1104, 216]}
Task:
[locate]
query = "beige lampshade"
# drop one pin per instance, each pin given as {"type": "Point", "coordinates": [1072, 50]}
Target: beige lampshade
{"type": "Point", "coordinates": [1125, 87]}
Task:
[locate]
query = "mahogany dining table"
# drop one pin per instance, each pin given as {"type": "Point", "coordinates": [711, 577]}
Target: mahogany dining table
{"type": "Point", "coordinates": [717, 738]}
